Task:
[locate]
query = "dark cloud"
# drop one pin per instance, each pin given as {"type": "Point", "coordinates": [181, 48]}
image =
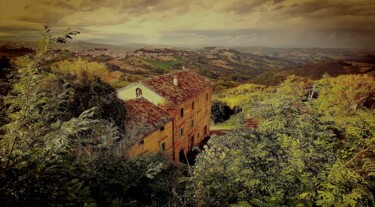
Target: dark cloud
{"type": "Point", "coordinates": [278, 7]}
{"type": "Point", "coordinates": [51, 12]}
{"type": "Point", "coordinates": [244, 7]}
{"type": "Point", "coordinates": [47, 12]}
{"type": "Point", "coordinates": [278, 23]}
{"type": "Point", "coordinates": [64, 5]}
{"type": "Point", "coordinates": [323, 8]}
{"type": "Point", "coordinates": [307, 7]}
{"type": "Point", "coordinates": [135, 7]}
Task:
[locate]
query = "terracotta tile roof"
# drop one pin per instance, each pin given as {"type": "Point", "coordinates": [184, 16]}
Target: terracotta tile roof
{"type": "Point", "coordinates": [143, 118]}
{"type": "Point", "coordinates": [189, 84]}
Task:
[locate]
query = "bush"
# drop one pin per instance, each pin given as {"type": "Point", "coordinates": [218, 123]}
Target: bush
{"type": "Point", "coordinates": [220, 112]}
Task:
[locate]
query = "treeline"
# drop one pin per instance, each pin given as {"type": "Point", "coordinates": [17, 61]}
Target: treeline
{"type": "Point", "coordinates": [61, 143]}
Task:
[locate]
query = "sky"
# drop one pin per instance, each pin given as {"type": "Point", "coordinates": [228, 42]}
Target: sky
{"type": "Point", "coordinates": [268, 23]}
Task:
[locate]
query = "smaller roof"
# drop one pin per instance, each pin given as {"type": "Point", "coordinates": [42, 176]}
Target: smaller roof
{"type": "Point", "coordinates": [143, 118]}
{"type": "Point", "coordinates": [189, 83]}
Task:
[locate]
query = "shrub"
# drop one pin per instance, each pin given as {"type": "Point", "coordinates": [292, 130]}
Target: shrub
{"type": "Point", "coordinates": [220, 112]}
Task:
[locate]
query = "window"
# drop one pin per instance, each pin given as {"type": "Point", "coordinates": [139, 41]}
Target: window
{"type": "Point", "coordinates": [162, 128]}
{"type": "Point", "coordinates": [162, 146]}
{"type": "Point", "coordinates": [192, 123]}
{"type": "Point", "coordinates": [182, 112]}
{"type": "Point", "coordinates": [192, 105]}
{"type": "Point", "coordinates": [181, 132]}
{"type": "Point", "coordinates": [198, 135]}
{"type": "Point", "coordinates": [205, 130]}
{"type": "Point", "coordinates": [142, 142]}
{"type": "Point", "coordinates": [138, 92]}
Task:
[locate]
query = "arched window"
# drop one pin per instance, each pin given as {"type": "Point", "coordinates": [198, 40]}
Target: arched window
{"type": "Point", "coordinates": [138, 92]}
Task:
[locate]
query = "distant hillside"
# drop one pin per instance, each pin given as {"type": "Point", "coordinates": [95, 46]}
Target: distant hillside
{"type": "Point", "coordinates": [226, 67]}
{"type": "Point", "coordinates": [311, 55]}
{"type": "Point", "coordinates": [232, 65]}
{"type": "Point", "coordinates": [315, 71]}
{"type": "Point", "coordinates": [72, 46]}
{"type": "Point", "coordinates": [14, 52]}
{"type": "Point", "coordinates": [81, 45]}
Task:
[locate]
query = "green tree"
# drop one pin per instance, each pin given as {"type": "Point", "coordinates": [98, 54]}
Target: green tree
{"type": "Point", "coordinates": [36, 141]}
{"type": "Point", "coordinates": [26, 100]}
{"type": "Point", "coordinates": [62, 146]}
{"type": "Point", "coordinates": [220, 112]}
{"type": "Point", "coordinates": [298, 155]}
{"type": "Point", "coordinates": [6, 71]}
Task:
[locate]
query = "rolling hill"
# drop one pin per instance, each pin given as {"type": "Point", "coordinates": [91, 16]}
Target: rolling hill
{"type": "Point", "coordinates": [315, 71]}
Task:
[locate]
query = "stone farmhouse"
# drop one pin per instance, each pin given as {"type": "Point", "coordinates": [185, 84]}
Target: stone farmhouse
{"type": "Point", "coordinates": [169, 113]}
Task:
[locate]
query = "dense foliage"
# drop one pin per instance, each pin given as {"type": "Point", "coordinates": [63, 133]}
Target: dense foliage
{"type": "Point", "coordinates": [63, 144]}
{"type": "Point", "coordinates": [314, 146]}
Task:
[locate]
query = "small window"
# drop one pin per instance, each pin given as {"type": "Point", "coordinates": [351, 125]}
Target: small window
{"type": "Point", "coordinates": [192, 105]}
{"type": "Point", "coordinates": [192, 123]}
{"type": "Point", "coordinates": [198, 135]}
{"type": "Point", "coordinates": [138, 92]}
{"type": "Point", "coordinates": [181, 132]}
{"type": "Point", "coordinates": [142, 142]}
{"type": "Point", "coordinates": [182, 112]}
{"type": "Point", "coordinates": [162, 128]}
{"type": "Point", "coordinates": [162, 146]}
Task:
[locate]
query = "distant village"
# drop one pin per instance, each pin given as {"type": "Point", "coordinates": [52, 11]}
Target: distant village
{"type": "Point", "coordinates": [165, 54]}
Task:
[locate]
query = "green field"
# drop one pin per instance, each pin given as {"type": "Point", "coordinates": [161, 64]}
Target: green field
{"type": "Point", "coordinates": [164, 65]}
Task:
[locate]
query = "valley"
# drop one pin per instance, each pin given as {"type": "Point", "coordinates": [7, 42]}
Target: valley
{"type": "Point", "coordinates": [227, 67]}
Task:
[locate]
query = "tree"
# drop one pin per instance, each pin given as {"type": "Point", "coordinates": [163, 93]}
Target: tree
{"type": "Point", "coordinates": [83, 93]}
{"type": "Point", "coordinates": [62, 146]}
{"type": "Point", "coordinates": [36, 141]}
{"type": "Point", "coordinates": [220, 111]}
{"type": "Point", "coordinates": [298, 155]}
{"type": "Point", "coordinates": [5, 86]}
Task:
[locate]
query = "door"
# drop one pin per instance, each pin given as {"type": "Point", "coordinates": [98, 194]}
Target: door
{"type": "Point", "coordinates": [182, 157]}
{"type": "Point", "coordinates": [191, 143]}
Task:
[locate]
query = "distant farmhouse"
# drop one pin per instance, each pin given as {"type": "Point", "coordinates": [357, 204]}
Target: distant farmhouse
{"type": "Point", "coordinates": [169, 113]}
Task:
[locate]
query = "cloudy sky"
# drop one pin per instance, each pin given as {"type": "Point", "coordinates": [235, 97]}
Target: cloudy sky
{"type": "Point", "coordinates": [271, 23]}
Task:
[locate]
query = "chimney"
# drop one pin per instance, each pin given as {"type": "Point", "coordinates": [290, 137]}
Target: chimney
{"type": "Point", "coordinates": [175, 81]}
